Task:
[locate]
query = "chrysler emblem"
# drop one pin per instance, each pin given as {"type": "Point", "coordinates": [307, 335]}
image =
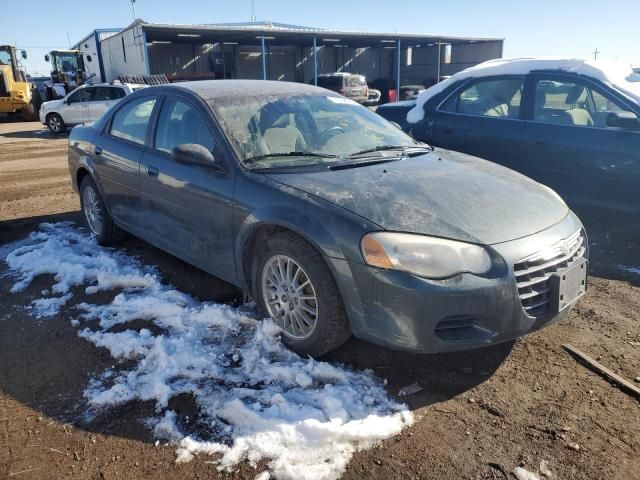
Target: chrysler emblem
{"type": "Point", "coordinates": [565, 247]}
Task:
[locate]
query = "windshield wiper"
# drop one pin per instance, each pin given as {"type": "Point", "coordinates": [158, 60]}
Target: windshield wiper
{"type": "Point", "coordinates": [257, 158]}
{"type": "Point", "coordinates": [381, 148]}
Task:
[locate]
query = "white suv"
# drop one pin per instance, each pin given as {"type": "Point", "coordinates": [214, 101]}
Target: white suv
{"type": "Point", "coordinates": [83, 105]}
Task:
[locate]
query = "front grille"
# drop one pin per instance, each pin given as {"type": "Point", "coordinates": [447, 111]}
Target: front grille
{"type": "Point", "coordinates": [533, 273]}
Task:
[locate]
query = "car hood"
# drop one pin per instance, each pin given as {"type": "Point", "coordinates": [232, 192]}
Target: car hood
{"type": "Point", "coordinates": [443, 193]}
{"type": "Point", "coordinates": [51, 104]}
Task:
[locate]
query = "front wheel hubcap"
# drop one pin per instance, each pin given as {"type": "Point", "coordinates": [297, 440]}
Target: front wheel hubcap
{"type": "Point", "coordinates": [290, 297]}
{"type": "Point", "coordinates": [54, 123]}
{"type": "Point", "coordinates": [92, 210]}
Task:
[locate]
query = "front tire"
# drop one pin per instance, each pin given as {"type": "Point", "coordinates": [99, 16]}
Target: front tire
{"type": "Point", "coordinates": [95, 215]}
{"type": "Point", "coordinates": [295, 288]}
{"type": "Point", "coordinates": [56, 124]}
{"type": "Point", "coordinates": [29, 113]}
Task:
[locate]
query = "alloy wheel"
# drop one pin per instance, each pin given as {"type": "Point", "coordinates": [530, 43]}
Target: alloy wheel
{"type": "Point", "coordinates": [290, 297]}
{"type": "Point", "coordinates": [54, 124]}
{"type": "Point", "coordinates": [92, 210]}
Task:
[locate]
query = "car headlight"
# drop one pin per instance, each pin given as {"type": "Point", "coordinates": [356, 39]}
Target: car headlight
{"type": "Point", "coordinates": [429, 257]}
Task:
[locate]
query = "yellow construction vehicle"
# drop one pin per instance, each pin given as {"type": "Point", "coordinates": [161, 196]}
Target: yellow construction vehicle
{"type": "Point", "coordinates": [17, 96]}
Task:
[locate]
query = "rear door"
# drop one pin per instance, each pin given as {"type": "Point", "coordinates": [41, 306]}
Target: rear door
{"type": "Point", "coordinates": [103, 99]}
{"type": "Point", "coordinates": [482, 118]}
{"type": "Point", "coordinates": [570, 147]}
{"type": "Point", "coordinates": [118, 152]}
{"type": "Point", "coordinates": [189, 208]}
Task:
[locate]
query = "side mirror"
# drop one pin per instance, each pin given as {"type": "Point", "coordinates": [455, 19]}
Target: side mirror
{"type": "Point", "coordinates": [47, 58]}
{"type": "Point", "coordinates": [23, 54]}
{"type": "Point", "coordinates": [627, 120]}
{"type": "Point", "coordinates": [194, 154]}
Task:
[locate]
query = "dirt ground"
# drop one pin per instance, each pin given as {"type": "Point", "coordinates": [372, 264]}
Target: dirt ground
{"type": "Point", "coordinates": [479, 415]}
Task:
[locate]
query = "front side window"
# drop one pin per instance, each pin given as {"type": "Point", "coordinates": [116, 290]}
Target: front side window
{"type": "Point", "coordinates": [567, 102]}
{"type": "Point", "coordinates": [494, 97]}
{"type": "Point", "coordinates": [108, 93]}
{"type": "Point", "coordinates": [132, 120]}
{"type": "Point", "coordinates": [81, 95]}
{"type": "Point", "coordinates": [179, 123]}
{"type": "Point", "coordinates": [303, 129]}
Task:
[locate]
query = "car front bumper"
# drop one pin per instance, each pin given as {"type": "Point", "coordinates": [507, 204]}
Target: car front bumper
{"type": "Point", "coordinates": [402, 311]}
{"type": "Point", "coordinates": [43, 114]}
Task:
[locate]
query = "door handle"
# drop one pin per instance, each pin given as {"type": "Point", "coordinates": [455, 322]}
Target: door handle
{"type": "Point", "coordinates": [152, 171]}
{"type": "Point", "coordinates": [98, 151]}
{"type": "Point", "coordinates": [540, 143]}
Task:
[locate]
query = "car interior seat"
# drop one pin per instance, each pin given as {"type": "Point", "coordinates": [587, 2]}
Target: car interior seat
{"type": "Point", "coordinates": [549, 115]}
{"type": "Point", "coordinates": [577, 98]}
{"type": "Point", "coordinates": [278, 135]}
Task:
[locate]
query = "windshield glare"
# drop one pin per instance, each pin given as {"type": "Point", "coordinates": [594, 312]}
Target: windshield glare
{"type": "Point", "coordinates": [264, 129]}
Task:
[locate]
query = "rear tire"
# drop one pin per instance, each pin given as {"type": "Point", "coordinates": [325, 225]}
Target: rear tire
{"type": "Point", "coordinates": [330, 325]}
{"type": "Point", "coordinates": [95, 215]}
{"type": "Point", "coordinates": [56, 124]}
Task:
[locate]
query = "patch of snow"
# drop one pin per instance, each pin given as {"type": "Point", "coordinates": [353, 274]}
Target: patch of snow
{"type": "Point", "coordinates": [256, 399]}
{"type": "Point", "coordinates": [48, 307]}
{"type": "Point", "coordinates": [523, 474]}
{"type": "Point", "coordinates": [621, 76]}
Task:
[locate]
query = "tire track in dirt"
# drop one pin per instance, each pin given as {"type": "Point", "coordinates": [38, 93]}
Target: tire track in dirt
{"type": "Point", "coordinates": [34, 175]}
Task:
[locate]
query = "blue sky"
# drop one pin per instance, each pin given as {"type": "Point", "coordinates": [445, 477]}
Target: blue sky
{"type": "Point", "coordinates": [544, 27]}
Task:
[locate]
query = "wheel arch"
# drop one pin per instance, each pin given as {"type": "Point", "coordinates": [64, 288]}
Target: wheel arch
{"type": "Point", "coordinates": [269, 222]}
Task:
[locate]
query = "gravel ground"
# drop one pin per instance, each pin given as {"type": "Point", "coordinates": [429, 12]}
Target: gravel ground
{"type": "Point", "coordinates": [480, 413]}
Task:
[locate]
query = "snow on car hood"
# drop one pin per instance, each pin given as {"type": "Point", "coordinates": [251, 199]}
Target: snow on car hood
{"type": "Point", "coordinates": [444, 194]}
{"type": "Point", "coordinates": [619, 75]}
{"type": "Point", "coordinates": [256, 399]}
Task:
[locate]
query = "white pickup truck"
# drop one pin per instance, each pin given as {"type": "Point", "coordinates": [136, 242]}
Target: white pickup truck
{"type": "Point", "coordinates": [83, 105]}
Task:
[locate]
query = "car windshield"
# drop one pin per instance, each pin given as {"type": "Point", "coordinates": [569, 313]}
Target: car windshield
{"type": "Point", "coordinates": [307, 129]}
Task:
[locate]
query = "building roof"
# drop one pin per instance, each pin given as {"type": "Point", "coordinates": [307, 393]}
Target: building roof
{"type": "Point", "coordinates": [279, 33]}
{"type": "Point", "coordinates": [76, 45]}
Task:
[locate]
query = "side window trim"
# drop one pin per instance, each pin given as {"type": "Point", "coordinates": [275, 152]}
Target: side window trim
{"type": "Point", "coordinates": [586, 82]}
{"type": "Point", "coordinates": [470, 82]}
{"type": "Point", "coordinates": [107, 127]}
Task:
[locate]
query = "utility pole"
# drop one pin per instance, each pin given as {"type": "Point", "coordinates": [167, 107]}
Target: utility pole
{"type": "Point", "coordinates": [133, 9]}
{"type": "Point", "coordinates": [595, 53]}
{"type": "Point", "coordinates": [253, 11]}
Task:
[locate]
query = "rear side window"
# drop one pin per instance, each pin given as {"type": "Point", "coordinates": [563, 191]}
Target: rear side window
{"type": "Point", "coordinates": [132, 120]}
{"type": "Point", "coordinates": [498, 97]}
{"type": "Point", "coordinates": [332, 83]}
{"type": "Point", "coordinates": [180, 122]}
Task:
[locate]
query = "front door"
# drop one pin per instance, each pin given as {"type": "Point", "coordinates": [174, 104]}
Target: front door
{"type": "Point", "coordinates": [571, 147]}
{"type": "Point", "coordinates": [76, 109]}
{"type": "Point", "coordinates": [188, 207]}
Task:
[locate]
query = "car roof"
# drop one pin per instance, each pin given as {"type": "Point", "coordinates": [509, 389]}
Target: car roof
{"type": "Point", "coordinates": [208, 89]}
{"type": "Point", "coordinates": [618, 74]}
